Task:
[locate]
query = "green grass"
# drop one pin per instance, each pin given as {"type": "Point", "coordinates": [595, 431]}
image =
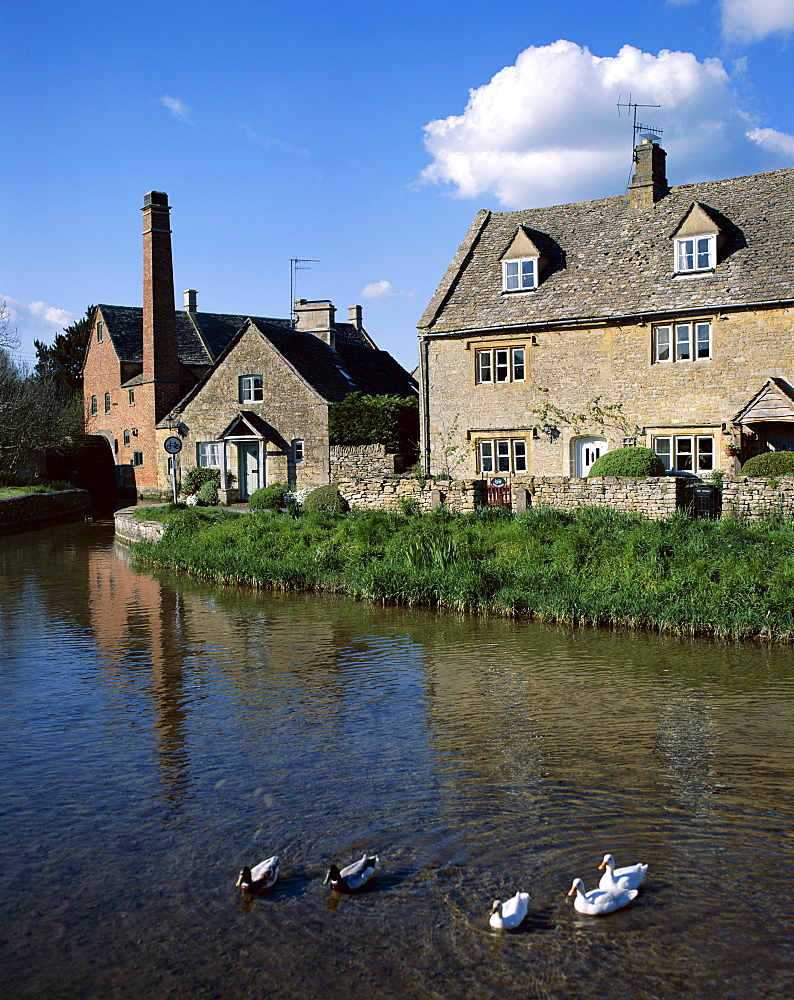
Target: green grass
{"type": "Point", "coordinates": [6, 492]}
{"type": "Point", "coordinates": [731, 579]}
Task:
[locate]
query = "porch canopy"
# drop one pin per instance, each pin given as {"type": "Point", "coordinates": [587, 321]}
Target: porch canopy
{"type": "Point", "coordinates": [245, 428]}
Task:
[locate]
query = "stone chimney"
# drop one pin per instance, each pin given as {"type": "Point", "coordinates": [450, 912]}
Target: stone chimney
{"type": "Point", "coordinates": [190, 300]}
{"type": "Point", "coordinates": [316, 318]}
{"type": "Point", "coordinates": [355, 317]}
{"type": "Point", "coordinates": [160, 356]}
{"type": "Point", "coordinates": [649, 183]}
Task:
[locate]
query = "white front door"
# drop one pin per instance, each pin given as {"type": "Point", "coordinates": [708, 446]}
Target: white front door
{"type": "Point", "coordinates": [249, 469]}
{"type": "Point", "coordinates": [587, 451]}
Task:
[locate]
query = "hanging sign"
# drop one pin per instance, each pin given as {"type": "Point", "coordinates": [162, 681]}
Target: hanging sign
{"type": "Point", "coordinates": [497, 481]}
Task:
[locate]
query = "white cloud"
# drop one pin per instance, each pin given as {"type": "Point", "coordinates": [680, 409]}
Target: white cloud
{"type": "Point", "coordinates": [177, 108]}
{"type": "Point", "coordinates": [751, 20]}
{"type": "Point", "coordinates": [377, 290]}
{"type": "Point", "coordinates": [547, 129]}
{"type": "Point", "coordinates": [772, 141]}
{"type": "Point", "coordinates": [35, 321]}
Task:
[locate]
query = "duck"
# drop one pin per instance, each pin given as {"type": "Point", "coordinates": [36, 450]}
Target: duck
{"type": "Point", "coordinates": [629, 877]}
{"type": "Point", "coordinates": [354, 877]}
{"type": "Point", "coordinates": [260, 877]}
{"type": "Point", "coordinates": [598, 902]}
{"type": "Point", "coordinates": [508, 915]}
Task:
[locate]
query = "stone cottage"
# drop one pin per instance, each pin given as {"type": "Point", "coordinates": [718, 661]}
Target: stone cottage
{"type": "Point", "coordinates": [662, 317]}
{"type": "Point", "coordinates": [245, 394]}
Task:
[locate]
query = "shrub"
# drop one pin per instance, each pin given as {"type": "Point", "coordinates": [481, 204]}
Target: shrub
{"type": "Point", "coordinates": [195, 478]}
{"type": "Point", "coordinates": [269, 497]}
{"type": "Point", "coordinates": [634, 463]}
{"type": "Point", "coordinates": [208, 494]}
{"type": "Point", "coordinates": [771, 463]}
{"type": "Point", "coordinates": [409, 506]}
{"type": "Point", "coordinates": [392, 421]}
{"type": "Point", "coordinates": [327, 500]}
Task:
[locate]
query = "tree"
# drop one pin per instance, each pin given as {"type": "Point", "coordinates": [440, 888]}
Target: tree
{"type": "Point", "coordinates": [9, 340]}
{"type": "Point", "coordinates": [63, 359]}
{"type": "Point", "coordinates": [37, 413]}
{"type": "Point", "coordinates": [392, 421]}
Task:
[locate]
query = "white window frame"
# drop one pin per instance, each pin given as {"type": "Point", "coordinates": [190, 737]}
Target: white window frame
{"type": "Point", "coordinates": [695, 254]}
{"type": "Point", "coordinates": [497, 456]}
{"type": "Point", "coordinates": [520, 274]}
{"type": "Point", "coordinates": [500, 364]}
{"type": "Point", "coordinates": [689, 341]}
{"type": "Point", "coordinates": [208, 454]}
{"type": "Point", "coordinates": [298, 453]}
{"type": "Point", "coordinates": [252, 389]}
{"type": "Point", "coordinates": [685, 452]}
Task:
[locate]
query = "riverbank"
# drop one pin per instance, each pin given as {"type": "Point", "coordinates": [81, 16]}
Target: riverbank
{"type": "Point", "coordinates": [729, 579]}
{"type": "Point", "coordinates": [38, 509]}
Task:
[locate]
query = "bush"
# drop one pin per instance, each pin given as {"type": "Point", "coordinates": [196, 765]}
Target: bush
{"type": "Point", "coordinates": [634, 463]}
{"type": "Point", "coordinates": [195, 478]}
{"type": "Point", "coordinates": [326, 500]}
{"type": "Point", "coordinates": [409, 506]}
{"type": "Point", "coordinates": [269, 497]}
{"type": "Point", "coordinates": [392, 421]}
{"type": "Point", "coordinates": [771, 463]}
{"type": "Point", "coordinates": [208, 494]}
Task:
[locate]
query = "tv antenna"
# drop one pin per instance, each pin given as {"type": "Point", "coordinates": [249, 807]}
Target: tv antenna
{"type": "Point", "coordinates": [647, 131]}
{"type": "Point", "coordinates": [297, 264]}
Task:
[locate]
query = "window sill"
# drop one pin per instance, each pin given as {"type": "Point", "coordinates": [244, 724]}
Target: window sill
{"type": "Point", "coordinates": [707, 273]}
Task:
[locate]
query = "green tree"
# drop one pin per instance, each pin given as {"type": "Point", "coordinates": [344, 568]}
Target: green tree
{"type": "Point", "coordinates": [63, 359]}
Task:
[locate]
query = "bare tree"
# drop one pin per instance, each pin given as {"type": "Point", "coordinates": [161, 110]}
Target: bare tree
{"type": "Point", "coordinates": [9, 339]}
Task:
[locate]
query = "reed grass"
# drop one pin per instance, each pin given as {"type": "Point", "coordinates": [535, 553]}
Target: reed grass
{"type": "Point", "coordinates": [730, 579]}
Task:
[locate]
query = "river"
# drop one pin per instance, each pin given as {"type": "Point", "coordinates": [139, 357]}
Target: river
{"type": "Point", "coordinates": [157, 733]}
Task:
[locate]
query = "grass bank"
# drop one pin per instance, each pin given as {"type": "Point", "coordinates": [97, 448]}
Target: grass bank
{"type": "Point", "coordinates": [731, 579]}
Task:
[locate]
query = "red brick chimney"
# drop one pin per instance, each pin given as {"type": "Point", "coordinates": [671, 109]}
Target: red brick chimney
{"type": "Point", "coordinates": [160, 356]}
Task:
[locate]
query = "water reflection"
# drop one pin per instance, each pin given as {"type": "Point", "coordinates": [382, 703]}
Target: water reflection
{"type": "Point", "coordinates": [182, 730]}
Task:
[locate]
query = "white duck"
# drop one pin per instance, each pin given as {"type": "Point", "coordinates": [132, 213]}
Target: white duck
{"type": "Point", "coordinates": [353, 877]}
{"type": "Point", "coordinates": [629, 877]}
{"type": "Point", "coordinates": [508, 915]}
{"type": "Point", "coordinates": [260, 877]}
{"type": "Point", "coordinates": [597, 902]}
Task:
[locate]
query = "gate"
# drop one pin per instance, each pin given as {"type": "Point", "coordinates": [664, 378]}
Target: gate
{"type": "Point", "coordinates": [705, 501]}
{"type": "Point", "coordinates": [498, 493]}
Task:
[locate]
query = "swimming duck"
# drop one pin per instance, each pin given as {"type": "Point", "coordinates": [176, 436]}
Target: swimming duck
{"type": "Point", "coordinates": [261, 876]}
{"type": "Point", "coordinates": [597, 902]}
{"type": "Point", "coordinates": [508, 915]}
{"type": "Point", "coordinates": [629, 877]}
{"type": "Point", "coordinates": [353, 877]}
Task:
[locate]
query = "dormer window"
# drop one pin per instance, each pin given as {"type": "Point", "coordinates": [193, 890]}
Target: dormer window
{"type": "Point", "coordinates": [698, 239]}
{"type": "Point", "coordinates": [523, 261]}
{"type": "Point", "coordinates": [519, 275]}
{"type": "Point", "coordinates": [695, 253]}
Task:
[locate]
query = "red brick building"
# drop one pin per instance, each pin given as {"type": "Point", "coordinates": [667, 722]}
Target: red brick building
{"type": "Point", "coordinates": [150, 371]}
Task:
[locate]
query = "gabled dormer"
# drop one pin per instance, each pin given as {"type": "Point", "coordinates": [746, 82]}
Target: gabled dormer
{"type": "Point", "coordinates": [698, 241]}
{"type": "Point", "coordinates": [523, 262]}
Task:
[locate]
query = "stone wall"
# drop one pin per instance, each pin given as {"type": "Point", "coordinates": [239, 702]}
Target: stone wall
{"type": "Point", "coordinates": [385, 492]}
{"type": "Point", "coordinates": [611, 361]}
{"type": "Point", "coordinates": [654, 498]}
{"type": "Point", "coordinates": [363, 460]}
{"type": "Point", "coordinates": [132, 529]}
{"type": "Point", "coordinates": [755, 498]}
{"type": "Point", "coordinates": [37, 510]}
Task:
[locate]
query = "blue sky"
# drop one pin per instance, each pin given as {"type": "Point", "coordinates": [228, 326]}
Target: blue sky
{"type": "Point", "coordinates": [362, 135]}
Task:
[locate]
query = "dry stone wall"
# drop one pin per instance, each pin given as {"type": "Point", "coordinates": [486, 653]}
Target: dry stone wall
{"type": "Point", "coordinates": [34, 510]}
{"type": "Point", "coordinates": [756, 498]}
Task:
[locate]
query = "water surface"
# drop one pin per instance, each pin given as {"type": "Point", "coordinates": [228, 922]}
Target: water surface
{"type": "Point", "coordinates": [157, 733]}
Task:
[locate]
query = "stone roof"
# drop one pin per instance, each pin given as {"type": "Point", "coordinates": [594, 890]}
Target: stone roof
{"type": "Point", "coordinates": [201, 337]}
{"type": "Point", "coordinates": [608, 260]}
